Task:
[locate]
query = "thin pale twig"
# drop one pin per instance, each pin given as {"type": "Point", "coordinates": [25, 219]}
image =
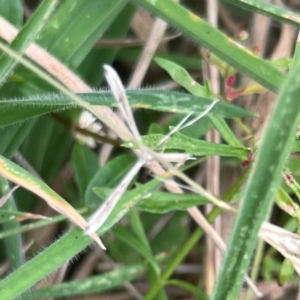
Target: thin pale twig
{"type": "Point", "coordinates": [101, 215]}
{"type": "Point", "coordinates": [4, 198]}
{"type": "Point", "coordinates": [213, 255]}
{"type": "Point", "coordinates": [215, 237]}
{"type": "Point", "coordinates": [155, 37]}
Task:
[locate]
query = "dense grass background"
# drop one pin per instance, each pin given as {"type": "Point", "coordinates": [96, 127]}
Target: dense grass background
{"type": "Point", "coordinates": [160, 244]}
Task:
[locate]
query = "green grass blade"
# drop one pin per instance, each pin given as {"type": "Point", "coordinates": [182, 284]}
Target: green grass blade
{"type": "Point", "coordinates": [225, 131]}
{"type": "Point", "coordinates": [161, 202]}
{"type": "Point", "coordinates": [193, 146]}
{"type": "Point", "coordinates": [189, 287]}
{"type": "Point", "coordinates": [27, 35]}
{"type": "Point", "coordinates": [93, 284]}
{"type": "Point", "coordinates": [138, 246]}
{"type": "Point", "coordinates": [94, 76]}
{"type": "Point", "coordinates": [275, 12]}
{"type": "Point", "coordinates": [13, 111]}
{"type": "Point", "coordinates": [218, 43]}
{"type": "Point", "coordinates": [14, 247]}
{"type": "Point", "coordinates": [272, 154]}
{"type": "Point", "coordinates": [12, 138]}
{"type": "Point", "coordinates": [85, 165]}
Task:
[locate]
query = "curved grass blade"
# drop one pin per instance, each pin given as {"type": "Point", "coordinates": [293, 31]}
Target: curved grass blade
{"type": "Point", "coordinates": [18, 175]}
{"type": "Point", "coordinates": [272, 154]}
{"type": "Point", "coordinates": [13, 111]}
{"type": "Point", "coordinates": [188, 287]}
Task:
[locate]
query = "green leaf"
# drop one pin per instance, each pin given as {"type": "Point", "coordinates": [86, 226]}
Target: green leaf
{"type": "Point", "coordinates": [211, 38]}
{"type": "Point", "coordinates": [285, 202]}
{"type": "Point", "coordinates": [192, 146]}
{"type": "Point", "coordinates": [185, 249]}
{"type": "Point", "coordinates": [286, 272]}
{"type": "Point", "coordinates": [161, 202]}
{"type": "Point", "coordinates": [92, 75]}
{"type": "Point", "coordinates": [181, 76]}
{"type": "Point", "coordinates": [138, 246]}
{"type": "Point", "coordinates": [188, 287]}
{"type": "Point", "coordinates": [85, 165]}
{"type": "Point", "coordinates": [268, 9]}
{"type": "Point", "coordinates": [13, 111]}
{"type": "Point", "coordinates": [13, 136]}
{"type": "Point", "coordinates": [93, 284]}
{"type": "Point", "coordinates": [225, 131]}
{"type": "Point", "coordinates": [13, 244]}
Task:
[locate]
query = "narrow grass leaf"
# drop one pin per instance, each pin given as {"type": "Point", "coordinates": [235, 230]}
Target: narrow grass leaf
{"type": "Point", "coordinates": [14, 111]}
{"type": "Point", "coordinates": [13, 216]}
{"type": "Point", "coordinates": [13, 244]}
{"type": "Point", "coordinates": [272, 154]}
{"type": "Point", "coordinates": [192, 146]}
{"type": "Point", "coordinates": [158, 202]}
{"type": "Point", "coordinates": [93, 284]}
{"type": "Point", "coordinates": [85, 165]}
{"type": "Point", "coordinates": [199, 294]}
{"type": "Point", "coordinates": [275, 12]}
{"type": "Point", "coordinates": [138, 246]}
{"type": "Point", "coordinates": [182, 77]}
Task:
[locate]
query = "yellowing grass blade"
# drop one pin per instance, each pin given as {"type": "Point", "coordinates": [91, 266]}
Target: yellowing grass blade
{"type": "Point", "coordinates": [21, 177]}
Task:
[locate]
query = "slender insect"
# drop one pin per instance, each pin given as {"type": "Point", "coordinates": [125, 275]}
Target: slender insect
{"type": "Point", "coordinates": [103, 212]}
